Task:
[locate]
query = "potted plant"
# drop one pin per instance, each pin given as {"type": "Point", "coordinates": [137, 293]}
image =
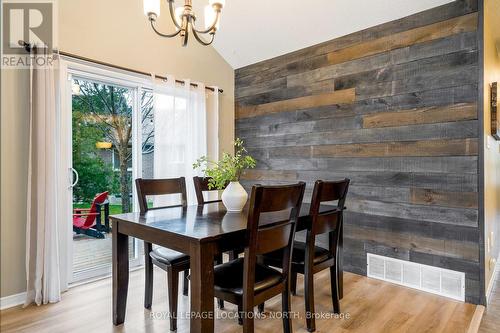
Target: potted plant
{"type": "Point", "coordinates": [228, 171]}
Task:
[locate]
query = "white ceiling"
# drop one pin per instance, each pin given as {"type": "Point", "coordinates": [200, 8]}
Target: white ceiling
{"type": "Point", "coordinates": [256, 30]}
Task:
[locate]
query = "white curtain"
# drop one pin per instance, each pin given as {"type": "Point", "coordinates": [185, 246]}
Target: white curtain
{"type": "Point", "coordinates": [46, 269]}
{"type": "Point", "coordinates": [212, 132]}
{"type": "Point", "coordinates": [180, 118]}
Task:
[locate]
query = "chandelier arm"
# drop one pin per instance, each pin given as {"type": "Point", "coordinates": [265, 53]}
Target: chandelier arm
{"type": "Point", "coordinates": [211, 28]}
{"type": "Point", "coordinates": [201, 41]}
{"type": "Point", "coordinates": [172, 13]}
{"type": "Point", "coordinates": [162, 34]}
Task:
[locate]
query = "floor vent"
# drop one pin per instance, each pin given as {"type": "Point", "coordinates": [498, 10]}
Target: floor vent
{"type": "Point", "coordinates": [432, 279]}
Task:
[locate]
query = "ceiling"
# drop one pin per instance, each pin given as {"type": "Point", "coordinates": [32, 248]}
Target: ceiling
{"type": "Point", "coordinates": [256, 30]}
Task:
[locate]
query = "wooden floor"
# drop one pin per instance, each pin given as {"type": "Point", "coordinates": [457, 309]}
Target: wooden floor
{"type": "Point", "coordinates": [491, 317]}
{"type": "Point", "coordinates": [369, 306]}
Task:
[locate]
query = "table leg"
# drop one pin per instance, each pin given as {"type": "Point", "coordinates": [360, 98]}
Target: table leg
{"type": "Point", "coordinates": [202, 290]}
{"type": "Point", "coordinates": [120, 274]}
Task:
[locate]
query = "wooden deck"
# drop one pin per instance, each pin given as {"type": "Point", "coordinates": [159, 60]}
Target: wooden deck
{"type": "Point", "coordinates": [92, 253]}
{"type": "Point", "coordinates": [368, 306]}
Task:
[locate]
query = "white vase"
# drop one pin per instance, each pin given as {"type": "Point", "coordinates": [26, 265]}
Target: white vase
{"type": "Point", "coordinates": [234, 197]}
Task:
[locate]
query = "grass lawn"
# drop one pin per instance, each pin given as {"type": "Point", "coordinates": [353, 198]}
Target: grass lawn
{"type": "Point", "coordinates": [113, 209]}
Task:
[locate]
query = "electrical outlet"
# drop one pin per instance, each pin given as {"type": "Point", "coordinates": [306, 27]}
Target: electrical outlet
{"type": "Point", "coordinates": [492, 238]}
{"type": "Point", "coordinates": [488, 244]}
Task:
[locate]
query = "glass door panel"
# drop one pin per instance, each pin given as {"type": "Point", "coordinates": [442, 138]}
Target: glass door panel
{"type": "Point", "coordinates": [102, 161]}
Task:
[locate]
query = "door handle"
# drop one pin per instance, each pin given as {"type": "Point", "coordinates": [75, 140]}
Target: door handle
{"type": "Point", "coordinates": [73, 171]}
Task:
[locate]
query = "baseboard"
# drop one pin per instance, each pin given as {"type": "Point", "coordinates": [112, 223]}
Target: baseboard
{"type": "Point", "coordinates": [492, 281]}
{"type": "Point", "coordinates": [12, 300]}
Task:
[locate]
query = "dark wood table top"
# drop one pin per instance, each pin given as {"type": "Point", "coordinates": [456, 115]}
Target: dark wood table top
{"type": "Point", "coordinates": [200, 223]}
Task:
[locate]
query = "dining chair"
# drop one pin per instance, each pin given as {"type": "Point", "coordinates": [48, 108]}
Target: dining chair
{"type": "Point", "coordinates": [171, 261]}
{"type": "Point", "coordinates": [272, 215]}
{"type": "Point", "coordinates": [309, 259]}
{"type": "Point", "coordinates": [200, 186]}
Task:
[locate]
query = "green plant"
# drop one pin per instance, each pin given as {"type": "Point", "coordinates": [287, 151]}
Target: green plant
{"type": "Point", "coordinates": [228, 169]}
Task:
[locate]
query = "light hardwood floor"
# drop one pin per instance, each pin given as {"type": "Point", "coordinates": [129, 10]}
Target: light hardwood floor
{"type": "Point", "coordinates": [371, 305]}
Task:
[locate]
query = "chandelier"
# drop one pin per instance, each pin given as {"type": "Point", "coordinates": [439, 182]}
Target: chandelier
{"type": "Point", "coordinates": [184, 19]}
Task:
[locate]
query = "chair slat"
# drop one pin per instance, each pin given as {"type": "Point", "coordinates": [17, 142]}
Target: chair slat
{"type": "Point", "coordinates": [326, 222]}
{"type": "Point", "coordinates": [278, 198]}
{"type": "Point", "coordinates": [150, 187]}
{"type": "Point", "coordinates": [273, 238]}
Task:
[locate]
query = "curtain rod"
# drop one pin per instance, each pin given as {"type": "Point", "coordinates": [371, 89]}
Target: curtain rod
{"type": "Point", "coordinates": [27, 46]}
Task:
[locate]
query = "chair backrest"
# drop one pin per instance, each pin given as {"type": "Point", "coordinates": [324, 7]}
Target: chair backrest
{"type": "Point", "coordinates": [329, 221]}
{"type": "Point", "coordinates": [272, 216]}
{"type": "Point", "coordinates": [99, 198]}
{"type": "Point", "coordinates": [200, 186]}
{"type": "Point", "coordinates": [151, 187]}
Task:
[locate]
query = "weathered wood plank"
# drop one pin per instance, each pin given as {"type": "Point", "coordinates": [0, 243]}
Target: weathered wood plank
{"type": "Point", "coordinates": [411, 242]}
{"type": "Point", "coordinates": [428, 115]}
{"type": "Point", "coordinates": [386, 194]}
{"type": "Point", "coordinates": [436, 181]}
{"type": "Point", "coordinates": [336, 97]}
{"type": "Point", "coordinates": [449, 164]}
{"type": "Point", "coordinates": [452, 130]}
{"type": "Point", "coordinates": [418, 148]}
{"type": "Point", "coordinates": [433, 31]}
{"type": "Point", "coordinates": [316, 126]}
{"type": "Point", "coordinates": [438, 80]}
{"type": "Point", "coordinates": [441, 198]}
{"type": "Point", "coordinates": [448, 215]}
{"type": "Point", "coordinates": [415, 227]}
{"type": "Point", "coordinates": [254, 89]}
{"type": "Point", "coordinates": [273, 95]}
{"type": "Point", "coordinates": [257, 174]}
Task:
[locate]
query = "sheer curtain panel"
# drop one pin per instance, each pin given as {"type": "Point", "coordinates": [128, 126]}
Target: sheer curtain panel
{"type": "Point", "coordinates": [180, 125]}
{"type": "Point", "coordinates": [46, 261]}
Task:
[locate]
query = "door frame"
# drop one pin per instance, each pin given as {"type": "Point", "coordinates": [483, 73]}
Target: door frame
{"type": "Point", "coordinates": [69, 68]}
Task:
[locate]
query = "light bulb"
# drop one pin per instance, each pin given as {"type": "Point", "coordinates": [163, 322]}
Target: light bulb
{"type": "Point", "coordinates": [179, 11]}
{"type": "Point", "coordinates": [152, 7]}
{"type": "Point", "coordinates": [210, 16]}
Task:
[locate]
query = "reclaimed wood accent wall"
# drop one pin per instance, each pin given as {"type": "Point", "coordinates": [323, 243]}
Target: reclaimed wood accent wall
{"type": "Point", "coordinates": [393, 108]}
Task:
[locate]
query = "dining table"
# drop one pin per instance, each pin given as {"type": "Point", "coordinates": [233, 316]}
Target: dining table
{"type": "Point", "coordinates": [202, 232]}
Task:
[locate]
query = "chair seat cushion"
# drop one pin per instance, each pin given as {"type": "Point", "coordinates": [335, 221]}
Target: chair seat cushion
{"type": "Point", "coordinates": [228, 277]}
{"type": "Point", "coordinates": [168, 256]}
{"type": "Point", "coordinates": [299, 254]}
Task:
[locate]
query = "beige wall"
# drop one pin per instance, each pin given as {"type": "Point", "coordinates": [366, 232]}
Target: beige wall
{"type": "Point", "coordinates": [113, 31]}
{"type": "Point", "coordinates": [491, 153]}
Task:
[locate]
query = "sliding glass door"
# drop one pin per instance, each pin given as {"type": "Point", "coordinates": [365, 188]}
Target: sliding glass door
{"type": "Point", "coordinates": [110, 137]}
